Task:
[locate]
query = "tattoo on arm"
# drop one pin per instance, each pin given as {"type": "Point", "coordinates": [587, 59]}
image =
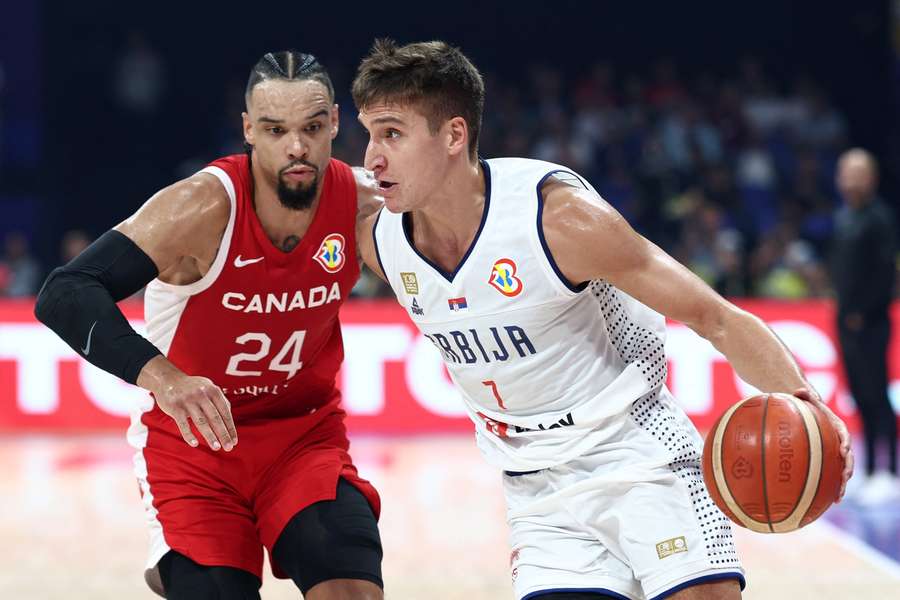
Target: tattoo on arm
{"type": "Point", "coordinates": [289, 243]}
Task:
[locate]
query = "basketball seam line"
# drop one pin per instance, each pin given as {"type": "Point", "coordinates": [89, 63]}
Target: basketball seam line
{"type": "Point", "coordinates": [718, 466]}
{"type": "Point", "coordinates": [722, 482]}
{"type": "Point", "coordinates": [762, 448]}
{"type": "Point", "coordinates": [809, 468]}
{"type": "Point", "coordinates": [821, 459]}
{"type": "Point", "coordinates": [813, 472]}
{"type": "Point", "coordinates": [807, 414]}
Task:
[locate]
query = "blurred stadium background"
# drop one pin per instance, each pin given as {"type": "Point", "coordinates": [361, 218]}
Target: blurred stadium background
{"type": "Point", "coordinates": [713, 127]}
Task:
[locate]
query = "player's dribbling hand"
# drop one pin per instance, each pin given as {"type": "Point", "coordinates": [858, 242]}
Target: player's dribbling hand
{"type": "Point", "coordinates": [810, 395]}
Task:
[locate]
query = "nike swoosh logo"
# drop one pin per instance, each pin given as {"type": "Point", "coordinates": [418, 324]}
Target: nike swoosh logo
{"type": "Point", "coordinates": [87, 349]}
{"type": "Point", "coordinates": [243, 263]}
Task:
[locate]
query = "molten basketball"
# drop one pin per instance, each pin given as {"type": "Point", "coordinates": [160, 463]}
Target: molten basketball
{"type": "Point", "coordinates": [772, 463]}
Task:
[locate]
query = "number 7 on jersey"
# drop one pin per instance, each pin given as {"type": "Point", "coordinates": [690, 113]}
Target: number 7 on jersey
{"type": "Point", "coordinates": [493, 385]}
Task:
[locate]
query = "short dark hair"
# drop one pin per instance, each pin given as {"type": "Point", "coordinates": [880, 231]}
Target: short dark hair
{"type": "Point", "coordinates": [434, 76]}
{"type": "Point", "coordinates": [289, 65]}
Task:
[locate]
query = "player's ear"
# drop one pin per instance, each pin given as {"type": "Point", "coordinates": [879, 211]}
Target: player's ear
{"type": "Point", "coordinates": [335, 121]}
{"type": "Point", "coordinates": [248, 128]}
{"type": "Point", "coordinates": [457, 135]}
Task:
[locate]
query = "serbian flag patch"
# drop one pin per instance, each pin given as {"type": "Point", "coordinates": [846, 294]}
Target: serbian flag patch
{"type": "Point", "coordinates": [457, 304]}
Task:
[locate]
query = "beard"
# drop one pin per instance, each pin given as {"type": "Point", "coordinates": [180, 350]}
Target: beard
{"type": "Point", "coordinates": [302, 196]}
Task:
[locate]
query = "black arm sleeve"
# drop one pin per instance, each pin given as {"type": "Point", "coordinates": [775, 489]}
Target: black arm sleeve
{"type": "Point", "coordinates": [78, 302]}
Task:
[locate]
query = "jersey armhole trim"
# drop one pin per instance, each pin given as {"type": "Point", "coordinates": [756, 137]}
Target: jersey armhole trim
{"type": "Point", "coordinates": [215, 270]}
{"type": "Point", "coordinates": [577, 289]}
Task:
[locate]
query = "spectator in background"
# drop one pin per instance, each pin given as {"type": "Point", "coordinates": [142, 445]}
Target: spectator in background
{"type": "Point", "coordinates": [819, 124]}
{"type": "Point", "coordinates": [564, 146]}
{"type": "Point", "coordinates": [139, 86]}
{"type": "Point", "coordinates": [689, 139]}
{"type": "Point", "coordinates": [2, 82]}
{"type": "Point", "coordinates": [756, 180]}
{"type": "Point", "coordinates": [809, 205]}
{"type": "Point", "coordinates": [139, 81]}
{"type": "Point", "coordinates": [800, 255]}
{"type": "Point", "coordinates": [665, 88]}
{"type": "Point", "coordinates": [74, 242]}
{"type": "Point", "coordinates": [731, 278]}
{"type": "Point", "coordinates": [793, 273]}
{"type": "Point", "coordinates": [23, 273]}
{"type": "Point", "coordinates": [697, 250]}
{"type": "Point", "coordinates": [863, 270]}
{"type": "Point", "coordinates": [5, 276]}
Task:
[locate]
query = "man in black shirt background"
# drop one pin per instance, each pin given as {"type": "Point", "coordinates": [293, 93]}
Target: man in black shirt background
{"type": "Point", "coordinates": [863, 270]}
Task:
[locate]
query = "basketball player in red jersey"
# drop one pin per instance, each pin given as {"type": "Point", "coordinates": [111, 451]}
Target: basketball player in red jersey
{"type": "Point", "coordinates": [246, 265]}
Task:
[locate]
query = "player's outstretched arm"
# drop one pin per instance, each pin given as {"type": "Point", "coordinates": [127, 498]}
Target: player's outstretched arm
{"type": "Point", "coordinates": [369, 204]}
{"type": "Point", "coordinates": [590, 240]}
{"type": "Point", "coordinates": [178, 225]}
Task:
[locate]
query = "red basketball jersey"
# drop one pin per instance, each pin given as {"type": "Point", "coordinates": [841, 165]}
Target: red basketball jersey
{"type": "Point", "coordinates": [262, 324]}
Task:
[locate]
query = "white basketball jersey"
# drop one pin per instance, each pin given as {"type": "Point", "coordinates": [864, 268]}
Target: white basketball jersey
{"type": "Point", "coordinates": [546, 370]}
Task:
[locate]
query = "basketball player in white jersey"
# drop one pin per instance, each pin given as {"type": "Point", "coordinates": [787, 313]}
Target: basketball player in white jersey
{"type": "Point", "coordinates": [548, 311]}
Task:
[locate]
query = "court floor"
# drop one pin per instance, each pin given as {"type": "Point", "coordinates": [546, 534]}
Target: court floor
{"type": "Point", "coordinates": [73, 527]}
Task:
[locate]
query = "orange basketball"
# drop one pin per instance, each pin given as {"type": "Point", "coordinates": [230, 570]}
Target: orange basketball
{"type": "Point", "coordinates": [772, 463]}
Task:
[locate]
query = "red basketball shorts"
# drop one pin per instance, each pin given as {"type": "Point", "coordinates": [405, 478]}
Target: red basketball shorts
{"type": "Point", "coordinates": [222, 508]}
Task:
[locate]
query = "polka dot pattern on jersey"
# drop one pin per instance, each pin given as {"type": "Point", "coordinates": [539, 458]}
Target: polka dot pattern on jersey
{"type": "Point", "coordinates": [634, 343]}
{"type": "Point", "coordinates": [653, 416]}
{"type": "Point", "coordinates": [641, 347]}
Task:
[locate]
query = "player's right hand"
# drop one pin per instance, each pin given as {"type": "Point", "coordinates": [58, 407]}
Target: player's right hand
{"type": "Point", "coordinates": [198, 400]}
{"type": "Point", "coordinates": [810, 395]}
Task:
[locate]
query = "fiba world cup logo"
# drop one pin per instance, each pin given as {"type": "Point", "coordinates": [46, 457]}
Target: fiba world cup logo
{"type": "Point", "coordinates": [503, 278]}
{"type": "Point", "coordinates": [331, 253]}
{"type": "Point", "coordinates": [741, 468]}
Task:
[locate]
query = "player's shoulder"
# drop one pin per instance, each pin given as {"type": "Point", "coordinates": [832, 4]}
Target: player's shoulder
{"type": "Point", "coordinates": [521, 172]}
{"type": "Point", "coordinates": [232, 162]}
{"type": "Point", "coordinates": [365, 180]}
{"type": "Point", "coordinates": [190, 207]}
{"type": "Point", "coordinates": [342, 180]}
{"type": "Point", "coordinates": [546, 175]}
{"type": "Point", "coordinates": [524, 163]}
{"type": "Point", "coordinates": [337, 163]}
{"type": "Point", "coordinates": [568, 199]}
{"type": "Point", "coordinates": [187, 216]}
{"type": "Point", "coordinates": [203, 194]}
{"type": "Point", "coordinates": [341, 170]}
{"type": "Point", "coordinates": [368, 195]}
{"type": "Point", "coordinates": [517, 163]}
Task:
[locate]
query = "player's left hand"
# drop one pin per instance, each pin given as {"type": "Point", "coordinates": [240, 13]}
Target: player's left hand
{"type": "Point", "coordinates": [810, 395]}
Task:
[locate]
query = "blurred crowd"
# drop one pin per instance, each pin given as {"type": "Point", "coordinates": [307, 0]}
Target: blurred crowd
{"type": "Point", "coordinates": [733, 175]}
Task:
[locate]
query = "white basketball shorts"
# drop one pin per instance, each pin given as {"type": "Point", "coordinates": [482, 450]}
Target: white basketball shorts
{"type": "Point", "coordinates": [631, 520]}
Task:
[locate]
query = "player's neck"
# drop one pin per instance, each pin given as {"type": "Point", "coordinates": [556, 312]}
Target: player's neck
{"type": "Point", "coordinates": [446, 225]}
